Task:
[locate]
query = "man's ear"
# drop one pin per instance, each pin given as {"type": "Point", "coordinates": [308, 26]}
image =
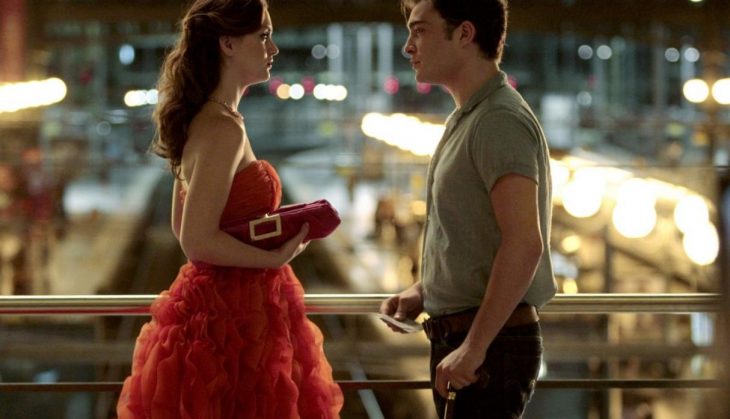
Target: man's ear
{"type": "Point", "coordinates": [226, 45]}
{"type": "Point", "coordinates": [467, 32]}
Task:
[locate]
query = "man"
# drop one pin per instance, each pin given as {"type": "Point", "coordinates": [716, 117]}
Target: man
{"type": "Point", "coordinates": [486, 259]}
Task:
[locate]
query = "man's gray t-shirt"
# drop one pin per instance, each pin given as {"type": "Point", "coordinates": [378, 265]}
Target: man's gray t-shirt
{"type": "Point", "coordinates": [495, 133]}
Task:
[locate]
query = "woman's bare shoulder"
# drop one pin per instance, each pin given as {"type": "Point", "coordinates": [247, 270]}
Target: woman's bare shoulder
{"type": "Point", "coordinates": [212, 124]}
{"type": "Point", "coordinates": [215, 130]}
{"type": "Point", "coordinates": [213, 138]}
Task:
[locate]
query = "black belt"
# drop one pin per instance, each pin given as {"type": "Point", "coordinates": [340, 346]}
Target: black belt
{"type": "Point", "coordinates": [441, 327]}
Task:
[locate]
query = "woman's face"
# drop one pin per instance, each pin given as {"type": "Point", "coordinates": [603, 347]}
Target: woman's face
{"type": "Point", "coordinates": [254, 53]}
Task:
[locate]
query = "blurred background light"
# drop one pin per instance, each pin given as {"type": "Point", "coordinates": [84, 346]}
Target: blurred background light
{"type": "Point", "coordinates": [424, 88]}
{"type": "Point", "coordinates": [391, 85]}
{"type": "Point", "coordinates": [702, 244]}
{"type": "Point", "coordinates": [672, 55]}
{"type": "Point", "coordinates": [696, 90]}
{"type": "Point", "coordinates": [126, 54]}
{"type": "Point", "coordinates": [571, 243]}
{"type": "Point", "coordinates": [604, 52]}
{"type": "Point", "coordinates": [296, 91]}
{"type": "Point", "coordinates": [331, 92]}
{"type": "Point", "coordinates": [333, 51]}
{"type": "Point", "coordinates": [31, 94]}
{"type": "Point", "coordinates": [136, 98]}
{"type": "Point", "coordinates": [319, 51]}
{"type": "Point", "coordinates": [634, 222]}
{"type": "Point", "coordinates": [403, 131]}
{"type": "Point", "coordinates": [583, 195]}
{"type": "Point", "coordinates": [560, 176]}
{"type": "Point", "coordinates": [570, 286]}
{"type": "Point", "coordinates": [692, 54]}
{"type": "Point", "coordinates": [636, 192]}
{"type": "Point", "coordinates": [634, 215]}
{"type": "Point", "coordinates": [691, 211]}
{"type": "Point", "coordinates": [585, 52]}
{"type": "Point", "coordinates": [721, 91]}
{"type": "Point", "coordinates": [584, 98]}
{"type": "Point", "coordinates": [283, 91]}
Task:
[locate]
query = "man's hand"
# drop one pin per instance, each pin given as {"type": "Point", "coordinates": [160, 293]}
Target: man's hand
{"type": "Point", "coordinates": [458, 368]}
{"type": "Point", "coordinates": [406, 305]}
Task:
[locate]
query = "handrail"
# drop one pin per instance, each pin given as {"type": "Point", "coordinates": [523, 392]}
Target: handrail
{"type": "Point", "coordinates": [346, 385]}
{"type": "Point", "coordinates": [125, 305]}
{"type": "Point", "coordinates": [130, 305]}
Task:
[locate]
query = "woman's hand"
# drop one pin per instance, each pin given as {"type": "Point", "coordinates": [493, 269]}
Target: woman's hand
{"type": "Point", "coordinates": [292, 247]}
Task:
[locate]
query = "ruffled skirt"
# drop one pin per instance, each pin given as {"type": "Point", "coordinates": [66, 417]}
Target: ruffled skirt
{"type": "Point", "coordinates": [230, 343]}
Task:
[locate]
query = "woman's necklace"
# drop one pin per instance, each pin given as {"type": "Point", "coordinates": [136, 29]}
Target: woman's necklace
{"type": "Point", "coordinates": [228, 108]}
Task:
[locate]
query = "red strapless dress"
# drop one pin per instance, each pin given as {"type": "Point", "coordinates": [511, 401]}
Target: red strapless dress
{"type": "Point", "coordinates": [232, 343]}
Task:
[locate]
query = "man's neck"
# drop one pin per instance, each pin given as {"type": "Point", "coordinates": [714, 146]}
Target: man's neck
{"type": "Point", "coordinates": [470, 79]}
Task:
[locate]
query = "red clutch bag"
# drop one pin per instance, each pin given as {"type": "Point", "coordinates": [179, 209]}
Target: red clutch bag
{"type": "Point", "coordinates": [271, 230]}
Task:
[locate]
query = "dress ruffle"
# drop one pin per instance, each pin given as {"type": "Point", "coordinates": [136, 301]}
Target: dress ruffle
{"type": "Point", "coordinates": [230, 343]}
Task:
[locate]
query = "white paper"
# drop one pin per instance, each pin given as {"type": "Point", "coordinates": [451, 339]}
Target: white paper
{"type": "Point", "coordinates": [407, 325]}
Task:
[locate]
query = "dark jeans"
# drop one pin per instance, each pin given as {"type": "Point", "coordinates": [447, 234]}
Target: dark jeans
{"type": "Point", "coordinates": [507, 377]}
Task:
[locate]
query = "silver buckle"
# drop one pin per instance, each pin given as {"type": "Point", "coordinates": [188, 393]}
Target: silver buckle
{"type": "Point", "coordinates": [265, 219]}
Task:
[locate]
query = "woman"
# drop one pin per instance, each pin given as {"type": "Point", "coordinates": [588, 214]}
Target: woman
{"type": "Point", "coordinates": [230, 338]}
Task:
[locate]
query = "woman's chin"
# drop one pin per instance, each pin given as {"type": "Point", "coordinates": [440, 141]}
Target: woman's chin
{"type": "Point", "coordinates": [258, 80]}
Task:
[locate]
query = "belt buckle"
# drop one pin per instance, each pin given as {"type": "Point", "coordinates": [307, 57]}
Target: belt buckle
{"type": "Point", "coordinates": [427, 327]}
{"type": "Point", "coordinates": [276, 218]}
{"type": "Point", "coordinates": [433, 329]}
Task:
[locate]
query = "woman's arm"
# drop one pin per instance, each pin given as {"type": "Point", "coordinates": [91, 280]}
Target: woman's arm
{"type": "Point", "coordinates": [176, 216]}
{"type": "Point", "coordinates": [211, 158]}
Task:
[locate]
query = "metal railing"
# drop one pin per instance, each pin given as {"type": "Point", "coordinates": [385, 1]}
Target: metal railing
{"type": "Point", "coordinates": [126, 305]}
{"type": "Point", "coordinates": [349, 304]}
{"type": "Point", "coordinates": [352, 385]}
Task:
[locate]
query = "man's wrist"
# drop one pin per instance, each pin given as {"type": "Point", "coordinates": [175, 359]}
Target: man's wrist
{"type": "Point", "coordinates": [477, 344]}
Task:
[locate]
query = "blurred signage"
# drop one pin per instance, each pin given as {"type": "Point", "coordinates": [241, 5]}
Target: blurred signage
{"type": "Point", "coordinates": [12, 40]}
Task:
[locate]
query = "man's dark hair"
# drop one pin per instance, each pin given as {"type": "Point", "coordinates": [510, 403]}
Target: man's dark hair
{"type": "Point", "coordinates": [489, 17]}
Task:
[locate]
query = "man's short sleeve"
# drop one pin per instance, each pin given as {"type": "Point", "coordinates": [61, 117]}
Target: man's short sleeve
{"type": "Point", "coordinates": [502, 143]}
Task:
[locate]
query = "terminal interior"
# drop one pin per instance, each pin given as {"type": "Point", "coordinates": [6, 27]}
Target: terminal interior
{"type": "Point", "coordinates": [634, 98]}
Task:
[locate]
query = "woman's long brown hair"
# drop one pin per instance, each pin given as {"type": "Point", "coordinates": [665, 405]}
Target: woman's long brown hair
{"type": "Point", "coordinates": [191, 70]}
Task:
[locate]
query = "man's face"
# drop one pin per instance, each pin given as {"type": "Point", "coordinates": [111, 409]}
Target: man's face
{"type": "Point", "coordinates": [428, 46]}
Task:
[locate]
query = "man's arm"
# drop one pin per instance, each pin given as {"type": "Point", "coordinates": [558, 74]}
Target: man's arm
{"type": "Point", "coordinates": [514, 199]}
